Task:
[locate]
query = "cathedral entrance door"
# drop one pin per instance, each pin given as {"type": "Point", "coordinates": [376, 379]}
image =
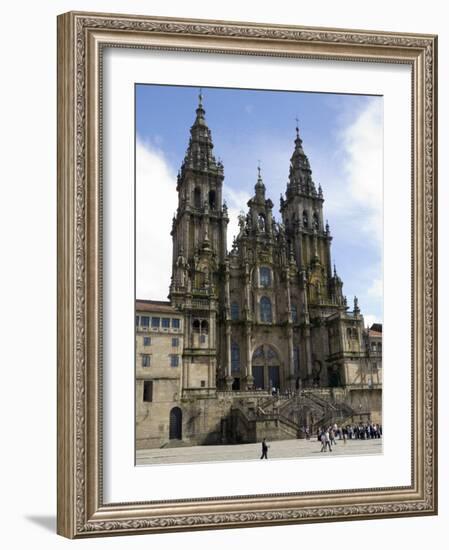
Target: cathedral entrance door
{"type": "Point", "coordinates": [175, 429]}
{"type": "Point", "coordinates": [259, 382]}
{"type": "Point", "coordinates": [265, 368]}
{"type": "Point", "coordinates": [273, 373]}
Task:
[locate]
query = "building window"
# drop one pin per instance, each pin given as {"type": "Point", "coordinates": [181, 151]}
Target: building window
{"type": "Point", "coordinates": [146, 360]}
{"type": "Point", "coordinates": [165, 322]}
{"type": "Point", "coordinates": [175, 342]}
{"type": "Point", "coordinates": [174, 360]}
{"type": "Point", "coordinates": [146, 341]}
{"type": "Point", "coordinates": [379, 347]}
{"type": "Point", "coordinates": [196, 326]}
{"type": "Point", "coordinates": [316, 223]}
{"type": "Point", "coordinates": [202, 338]}
{"type": "Point", "coordinates": [204, 327]}
{"type": "Point", "coordinates": [234, 311]}
{"type": "Point", "coordinates": [235, 357]}
{"type": "Point", "coordinates": [155, 322]}
{"type": "Point", "coordinates": [144, 321]}
{"type": "Point", "coordinates": [265, 277]}
{"type": "Point", "coordinates": [175, 323]}
{"type": "Point", "coordinates": [305, 219]}
{"type": "Point", "coordinates": [203, 383]}
{"type": "Point", "coordinates": [266, 315]}
{"type": "Point", "coordinates": [212, 200]}
{"type": "Point", "coordinates": [294, 313]}
{"type": "Point", "coordinates": [262, 223]}
{"type": "Point", "coordinates": [296, 359]}
{"type": "Point", "coordinates": [197, 197]}
{"type": "Point", "coordinates": [148, 391]}
{"type": "Point", "coordinates": [137, 320]}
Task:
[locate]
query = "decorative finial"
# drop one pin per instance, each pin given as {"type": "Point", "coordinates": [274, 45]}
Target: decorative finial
{"type": "Point", "coordinates": [258, 169]}
{"type": "Point", "coordinates": [297, 127]}
{"type": "Point", "coordinates": [200, 98]}
{"type": "Point", "coordinates": [335, 271]}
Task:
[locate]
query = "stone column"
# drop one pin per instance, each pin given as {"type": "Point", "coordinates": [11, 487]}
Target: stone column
{"type": "Point", "coordinates": [229, 378]}
{"type": "Point", "coordinates": [307, 329]}
{"type": "Point", "coordinates": [187, 235]}
{"type": "Point", "coordinates": [291, 361]}
{"type": "Point", "coordinates": [298, 241]}
{"type": "Point", "coordinates": [308, 352]}
{"type": "Point", "coordinates": [291, 358]}
{"type": "Point", "coordinates": [249, 379]}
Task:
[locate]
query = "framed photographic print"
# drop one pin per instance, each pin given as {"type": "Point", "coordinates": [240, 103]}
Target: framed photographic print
{"type": "Point", "coordinates": [247, 274]}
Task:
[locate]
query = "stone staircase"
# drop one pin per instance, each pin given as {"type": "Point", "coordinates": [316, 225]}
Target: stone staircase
{"type": "Point", "coordinates": [283, 417]}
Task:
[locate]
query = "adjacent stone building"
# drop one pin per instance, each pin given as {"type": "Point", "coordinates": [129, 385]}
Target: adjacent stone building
{"type": "Point", "coordinates": [266, 343]}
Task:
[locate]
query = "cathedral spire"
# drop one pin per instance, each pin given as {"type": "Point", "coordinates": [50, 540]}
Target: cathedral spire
{"type": "Point", "coordinates": [259, 184]}
{"type": "Point", "coordinates": [199, 154]}
{"type": "Point", "coordinates": [300, 176]}
{"type": "Point", "coordinates": [200, 112]}
{"type": "Point", "coordinates": [259, 188]}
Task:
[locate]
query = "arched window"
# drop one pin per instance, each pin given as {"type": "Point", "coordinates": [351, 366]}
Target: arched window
{"type": "Point", "coordinates": [296, 359]}
{"type": "Point", "coordinates": [197, 197]}
{"type": "Point", "coordinates": [305, 219]}
{"type": "Point", "coordinates": [265, 276]}
{"type": "Point", "coordinates": [262, 224]}
{"type": "Point", "coordinates": [235, 357]}
{"type": "Point", "coordinates": [316, 223]}
{"type": "Point", "coordinates": [204, 327]}
{"type": "Point", "coordinates": [212, 199]}
{"type": "Point", "coordinates": [266, 315]}
{"type": "Point", "coordinates": [196, 326]}
{"type": "Point", "coordinates": [234, 311]}
{"type": "Point", "coordinates": [294, 313]}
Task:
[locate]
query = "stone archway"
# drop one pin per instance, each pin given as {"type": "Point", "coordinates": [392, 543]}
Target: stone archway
{"type": "Point", "coordinates": [175, 427]}
{"type": "Point", "coordinates": [266, 367]}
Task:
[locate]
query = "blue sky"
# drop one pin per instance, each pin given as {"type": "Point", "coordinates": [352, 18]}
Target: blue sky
{"type": "Point", "coordinates": [342, 136]}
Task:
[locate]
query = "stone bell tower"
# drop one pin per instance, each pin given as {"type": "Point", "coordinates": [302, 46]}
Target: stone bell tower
{"type": "Point", "coordinates": [309, 238]}
{"type": "Point", "coordinates": [199, 251]}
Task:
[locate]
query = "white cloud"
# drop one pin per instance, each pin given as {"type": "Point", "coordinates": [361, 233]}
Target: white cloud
{"type": "Point", "coordinates": [376, 288]}
{"type": "Point", "coordinates": [156, 202]}
{"type": "Point", "coordinates": [362, 151]}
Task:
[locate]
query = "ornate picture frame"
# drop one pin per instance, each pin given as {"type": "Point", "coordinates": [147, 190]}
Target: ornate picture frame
{"type": "Point", "coordinates": [82, 38]}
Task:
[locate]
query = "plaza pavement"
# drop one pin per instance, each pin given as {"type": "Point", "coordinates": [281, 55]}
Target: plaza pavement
{"type": "Point", "coordinates": [290, 448]}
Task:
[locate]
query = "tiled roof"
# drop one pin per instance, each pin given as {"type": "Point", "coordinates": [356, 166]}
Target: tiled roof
{"type": "Point", "coordinates": [155, 306]}
{"type": "Point", "coordinates": [375, 334]}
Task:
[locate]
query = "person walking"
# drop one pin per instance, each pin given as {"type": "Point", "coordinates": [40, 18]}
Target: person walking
{"type": "Point", "coordinates": [322, 438]}
{"type": "Point", "coordinates": [264, 449]}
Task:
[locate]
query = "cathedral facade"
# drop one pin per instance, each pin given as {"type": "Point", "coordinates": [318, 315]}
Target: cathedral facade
{"type": "Point", "coordinates": [269, 344]}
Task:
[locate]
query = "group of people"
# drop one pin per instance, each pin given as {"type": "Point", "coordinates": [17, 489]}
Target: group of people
{"type": "Point", "coordinates": [328, 436]}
